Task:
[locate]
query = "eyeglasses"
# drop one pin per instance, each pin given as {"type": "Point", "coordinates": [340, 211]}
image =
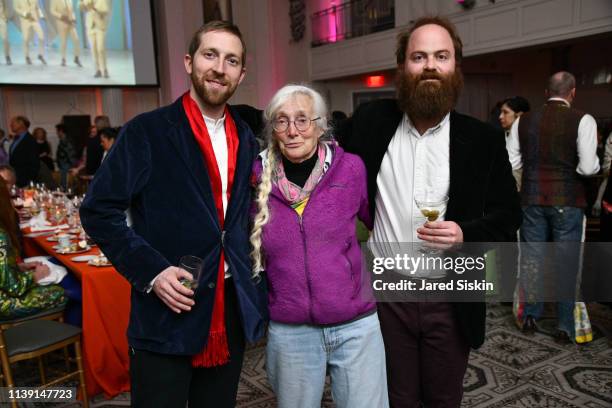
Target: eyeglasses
{"type": "Point", "coordinates": [301, 123]}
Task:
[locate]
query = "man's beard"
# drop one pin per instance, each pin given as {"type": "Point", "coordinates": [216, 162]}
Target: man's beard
{"type": "Point", "coordinates": [428, 100]}
{"type": "Point", "coordinates": [213, 97]}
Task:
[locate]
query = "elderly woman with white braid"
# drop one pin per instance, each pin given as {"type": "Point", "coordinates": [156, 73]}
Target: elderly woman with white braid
{"type": "Point", "coordinates": [322, 317]}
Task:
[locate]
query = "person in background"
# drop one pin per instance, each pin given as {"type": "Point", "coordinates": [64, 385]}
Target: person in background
{"type": "Point", "coordinates": [107, 139]}
{"type": "Point", "coordinates": [20, 293]}
{"type": "Point", "coordinates": [23, 153]}
{"type": "Point", "coordinates": [9, 176]}
{"type": "Point", "coordinates": [556, 146]}
{"type": "Point", "coordinates": [65, 155]}
{"type": "Point", "coordinates": [82, 159]}
{"type": "Point", "coordinates": [337, 117]}
{"type": "Point", "coordinates": [606, 152]}
{"type": "Point", "coordinates": [94, 152]}
{"type": "Point", "coordinates": [321, 316]}
{"type": "Point", "coordinates": [45, 170]}
{"type": "Point", "coordinates": [606, 211]}
{"type": "Point", "coordinates": [4, 145]}
{"type": "Point", "coordinates": [510, 110]}
{"type": "Point", "coordinates": [44, 148]}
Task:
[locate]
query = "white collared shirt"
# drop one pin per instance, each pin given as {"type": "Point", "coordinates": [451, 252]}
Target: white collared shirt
{"type": "Point", "coordinates": [216, 131]}
{"type": "Point", "coordinates": [588, 162]}
{"type": "Point", "coordinates": [414, 166]}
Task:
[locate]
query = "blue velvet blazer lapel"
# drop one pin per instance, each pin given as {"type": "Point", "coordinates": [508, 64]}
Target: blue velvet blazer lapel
{"type": "Point", "coordinates": [189, 152]}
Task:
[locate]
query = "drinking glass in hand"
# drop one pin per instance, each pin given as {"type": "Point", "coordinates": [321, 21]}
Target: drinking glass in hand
{"type": "Point", "coordinates": [193, 265]}
{"type": "Point", "coordinates": [432, 208]}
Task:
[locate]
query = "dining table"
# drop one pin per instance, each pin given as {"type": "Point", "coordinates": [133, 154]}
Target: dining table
{"type": "Point", "coordinates": [105, 310]}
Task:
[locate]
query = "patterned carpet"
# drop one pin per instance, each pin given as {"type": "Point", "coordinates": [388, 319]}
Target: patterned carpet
{"type": "Point", "coordinates": [509, 370]}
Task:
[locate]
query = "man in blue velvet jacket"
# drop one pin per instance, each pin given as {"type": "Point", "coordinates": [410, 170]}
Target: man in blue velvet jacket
{"type": "Point", "coordinates": [183, 172]}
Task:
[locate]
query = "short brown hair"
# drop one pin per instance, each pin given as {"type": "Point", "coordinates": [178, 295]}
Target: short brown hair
{"type": "Point", "coordinates": [404, 36]}
{"type": "Point", "coordinates": [24, 121]}
{"type": "Point", "coordinates": [216, 25]}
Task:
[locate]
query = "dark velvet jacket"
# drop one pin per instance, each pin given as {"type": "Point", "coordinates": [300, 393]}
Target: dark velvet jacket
{"type": "Point", "coordinates": [157, 170]}
{"type": "Point", "coordinates": [483, 198]}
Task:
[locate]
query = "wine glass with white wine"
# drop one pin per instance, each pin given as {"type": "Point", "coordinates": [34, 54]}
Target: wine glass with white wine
{"type": "Point", "coordinates": [433, 208]}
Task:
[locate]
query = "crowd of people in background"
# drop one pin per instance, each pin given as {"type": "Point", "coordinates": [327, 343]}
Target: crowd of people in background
{"type": "Point", "coordinates": [76, 159]}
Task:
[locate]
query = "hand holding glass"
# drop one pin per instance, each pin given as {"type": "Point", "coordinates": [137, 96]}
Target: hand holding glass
{"type": "Point", "coordinates": [193, 265]}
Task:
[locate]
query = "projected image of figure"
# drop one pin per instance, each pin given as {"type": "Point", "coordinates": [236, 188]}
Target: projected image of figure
{"type": "Point", "coordinates": [65, 22]}
{"type": "Point", "coordinates": [96, 24]}
{"type": "Point", "coordinates": [84, 42]}
{"type": "Point", "coordinates": [4, 31]}
{"type": "Point", "coordinates": [30, 14]}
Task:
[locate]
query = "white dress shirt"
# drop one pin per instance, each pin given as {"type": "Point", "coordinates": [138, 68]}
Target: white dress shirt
{"type": "Point", "coordinates": [588, 162]}
{"type": "Point", "coordinates": [216, 131]}
{"type": "Point", "coordinates": [414, 166]}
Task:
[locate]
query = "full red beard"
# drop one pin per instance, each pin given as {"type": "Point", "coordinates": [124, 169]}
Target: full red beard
{"type": "Point", "coordinates": [428, 100]}
{"type": "Point", "coordinates": [213, 97]}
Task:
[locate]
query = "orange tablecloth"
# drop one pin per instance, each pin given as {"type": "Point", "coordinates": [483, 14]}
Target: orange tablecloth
{"type": "Point", "coordinates": [106, 309]}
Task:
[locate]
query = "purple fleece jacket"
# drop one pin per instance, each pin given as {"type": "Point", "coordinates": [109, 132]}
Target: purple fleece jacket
{"type": "Point", "coordinates": [313, 263]}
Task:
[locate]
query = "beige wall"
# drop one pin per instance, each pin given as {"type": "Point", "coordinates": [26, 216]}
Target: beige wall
{"type": "Point", "coordinates": [528, 70]}
{"type": "Point", "coordinates": [489, 27]}
{"type": "Point", "coordinates": [273, 60]}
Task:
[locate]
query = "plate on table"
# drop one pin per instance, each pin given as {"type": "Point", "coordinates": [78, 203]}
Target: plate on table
{"type": "Point", "coordinates": [97, 261]}
{"type": "Point", "coordinates": [54, 237]}
{"type": "Point", "coordinates": [69, 251]}
{"type": "Point", "coordinates": [83, 258]}
{"type": "Point", "coordinates": [38, 234]}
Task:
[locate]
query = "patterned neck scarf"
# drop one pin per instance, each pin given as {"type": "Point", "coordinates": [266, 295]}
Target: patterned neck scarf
{"type": "Point", "coordinates": [295, 194]}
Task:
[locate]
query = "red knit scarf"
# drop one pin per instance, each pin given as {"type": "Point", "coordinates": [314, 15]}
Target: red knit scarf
{"type": "Point", "coordinates": [216, 351]}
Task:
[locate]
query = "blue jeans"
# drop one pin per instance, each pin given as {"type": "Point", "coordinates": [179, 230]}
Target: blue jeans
{"type": "Point", "coordinates": [556, 224]}
{"type": "Point", "coordinates": [298, 356]}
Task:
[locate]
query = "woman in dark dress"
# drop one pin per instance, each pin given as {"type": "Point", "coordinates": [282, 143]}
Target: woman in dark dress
{"type": "Point", "coordinates": [44, 149]}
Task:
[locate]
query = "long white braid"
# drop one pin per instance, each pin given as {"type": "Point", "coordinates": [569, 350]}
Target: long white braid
{"type": "Point", "coordinates": [263, 212]}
